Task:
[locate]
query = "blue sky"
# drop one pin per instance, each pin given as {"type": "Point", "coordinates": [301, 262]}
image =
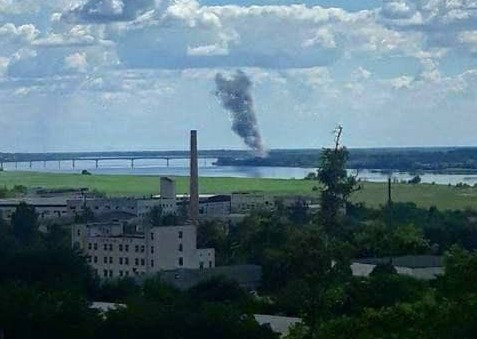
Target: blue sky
{"type": "Point", "coordinates": [84, 75]}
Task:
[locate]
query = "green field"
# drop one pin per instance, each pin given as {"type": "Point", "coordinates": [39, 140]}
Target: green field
{"type": "Point", "coordinates": [373, 194]}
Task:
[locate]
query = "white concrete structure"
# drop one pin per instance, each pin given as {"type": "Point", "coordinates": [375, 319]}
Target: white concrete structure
{"type": "Point", "coordinates": [424, 267]}
{"type": "Point", "coordinates": [168, 188]}
{"type": "Point", "coordinates": [112, 253]}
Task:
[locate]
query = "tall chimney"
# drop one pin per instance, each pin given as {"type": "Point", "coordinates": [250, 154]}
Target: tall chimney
{"type": "Point", "coordinates": [194, 179]}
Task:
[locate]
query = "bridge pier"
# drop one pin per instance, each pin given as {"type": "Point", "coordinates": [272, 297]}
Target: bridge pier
{"type": "Point", "coordinates": [31, 164]}
{"type": "Point", "coordinates": [16, 164]}
{"type": "Point", "coordinates": [167, 162]}
{"type": "Point", "coordinates": [44, 163]}
{"type": "Point", "coordinates": [132, 163]}
{"type": "Point", "coordinates": [59, 164]}
{"type": "Point", "coordinates": [97, 163]}
{"type": "Point", "coordinates": [73, 163]}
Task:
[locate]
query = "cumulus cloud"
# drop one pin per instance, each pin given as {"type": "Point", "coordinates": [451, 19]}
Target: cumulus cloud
{"type": "Point", "coordinates": [187, 34]}
{"type": "Point", "coordinates": [23, 33]}
{"type": "Point", "coordinates": [78, 35]}
{"type": "Point", "coordinates": [76, 61]}
{"type": "Point", "coordinates": [99, 11]}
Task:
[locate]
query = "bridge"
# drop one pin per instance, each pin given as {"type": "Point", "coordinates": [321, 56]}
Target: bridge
{"type": "Point", "coordinates": [73, 160]}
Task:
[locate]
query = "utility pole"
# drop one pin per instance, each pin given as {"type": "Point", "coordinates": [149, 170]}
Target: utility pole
{"type": "Point", "coordinates": [390, 203]}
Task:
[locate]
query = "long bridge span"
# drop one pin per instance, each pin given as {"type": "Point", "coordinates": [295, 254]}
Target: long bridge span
{"type": "Point", "coordinates": [98, 157]}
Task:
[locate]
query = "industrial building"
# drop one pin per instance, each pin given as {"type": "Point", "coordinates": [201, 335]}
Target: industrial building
{"type": "Point", "coordinates": [424, 267]}
{"type": "Point", "coordinates": [133, 206]}
{"type": "Point", "coordinates": [113, 253]}
{"type": "Point", "coordinates": [46, 208]}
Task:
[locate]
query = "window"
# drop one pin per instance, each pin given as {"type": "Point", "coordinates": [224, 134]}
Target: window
{"type": "Point", "coordinates": [152, 236]}
{"type": "Point", "coordinates": [201, 265]}
{"type": "Point", "coordinates": [210, 264]}
{"type": "Point", "coordinates": [105, 260]}
{"type": "Point", "coordinates": [180, 247]}
{"type": "Point", "coordinates": [110, 273]}
{"type": "Point", "coordinates": [126, 273]}
{"type": "Point", "coordinates": [126, 261]}
{"type": "Point", "coordinates": [78, 233]}
{"type": "Point", "coordinates": [136, 248]}
{"type": "Point", "coordinates": [110, 260]}
{"type": "Point", "coordinates": [95, 246]}
{"type": "Point", "coordinates": [181, 261]}
{"type": "Point", "coordinates": [95, 259]}
{"type": "Point", "coordinates": [120, 261]}
{"type": "Point", "coordinates": [126, 248]}
{"type": "Point", "coordinates": [152, 249]}
{"type": "Point", "coordinates": [180, 234]}
{"type": "Point", "coordinates": [143, 262]}
{"type": "Point", "coordinates": [120, 273]}
{"type": "Point", "coordinates": [110, 247]}
{"type": "Point", "coordinates": [105, 273]}
{"type": "Point", "coordinates": [89, 258]}
{"type": "Point", "coordinates": [90, 246]}
{"type": "Point", "coordinates": [120, 247]}
{"type": "Point", "coordinates": [136, 261]}
{"type": "Point", "coordinates": [105, 247]}
{"type": "Point", "coordinates": [142, 248]}
{"type": "Point", "coordinates": [152, 263]}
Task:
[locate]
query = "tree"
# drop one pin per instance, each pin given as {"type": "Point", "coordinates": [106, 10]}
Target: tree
{"type": "Point", "coordinates": [219, 289]}
{"type": "Point", "coordinates": [318, 267]}
{"type": "Point", "coordinates": [298, 213]}
{"type": "Point", "coordinates": [155, 216]}
{"type": "Point", "coordinates": [337, 185]}
{"type": "Point", "coordinates": [86, 215]}
{"type": "Point", "coordinates": [213, 234]}
{"type": "Point", "coordinates": [27, 311]}
{"type": "Point", "coordinates": [24, 223]}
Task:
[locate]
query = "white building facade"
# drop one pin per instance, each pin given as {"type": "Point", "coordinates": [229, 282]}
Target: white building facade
{"type": "Point", "coordinates": [114, 254]}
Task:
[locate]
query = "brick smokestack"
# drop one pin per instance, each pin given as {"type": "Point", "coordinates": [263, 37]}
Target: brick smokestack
{"type": "Point", "coordinates": [194, 179]}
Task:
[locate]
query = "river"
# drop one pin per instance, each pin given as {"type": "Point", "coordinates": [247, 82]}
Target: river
{"type": "Point", "coordinates": [180, 167]}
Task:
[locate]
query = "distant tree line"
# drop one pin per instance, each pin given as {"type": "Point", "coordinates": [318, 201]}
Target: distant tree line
{"type": "Point", "coordinates": [400, 159]}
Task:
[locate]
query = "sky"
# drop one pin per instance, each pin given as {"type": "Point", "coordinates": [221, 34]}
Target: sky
{"type": "Point", "coordinates": [99, 75]}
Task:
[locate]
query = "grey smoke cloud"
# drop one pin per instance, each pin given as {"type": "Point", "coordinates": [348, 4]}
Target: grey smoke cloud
{"type": "Point", "coordinates": [235, 96]}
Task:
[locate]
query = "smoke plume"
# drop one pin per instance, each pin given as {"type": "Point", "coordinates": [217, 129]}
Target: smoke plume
{"type": "Point", "coordinates": [234, 95]}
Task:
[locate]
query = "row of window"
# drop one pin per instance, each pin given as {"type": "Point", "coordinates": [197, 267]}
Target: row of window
{"type": "Point", "coordinates": [122, 261]}
{"type": "Point", "coordinates": [109, 273]}
{"type": "Point", "coordinates": [121, 247]}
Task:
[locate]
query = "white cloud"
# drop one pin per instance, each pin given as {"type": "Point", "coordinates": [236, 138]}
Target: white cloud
{"type": "Point", "coordinates": [77, 62]}
{"type": "Point", "coordinates": [469, 39]}
{"type": "Point", "coordinates": [24, 33]}
{"type": "Point", "coordinates": [103, 11]}
{"type": "Point", "coordinates": [78, 35]}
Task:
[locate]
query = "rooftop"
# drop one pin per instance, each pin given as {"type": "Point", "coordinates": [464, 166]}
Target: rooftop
{"type": "Point", "coordinates": [410, 261]}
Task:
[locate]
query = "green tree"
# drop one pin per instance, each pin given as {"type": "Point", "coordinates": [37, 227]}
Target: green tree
{"type": "Point", "coordinates": [318, 267]}
{"type": "Point", "coordinates": [337, 185]}
{"type": "Point", "coordinates": [27, 311]}
{"type": "Point", "coordinates": [86, 215]}
{"type": "Point", "coordinates": [155, 216]}
{"type": "Point", "coordinates": [24, 223]}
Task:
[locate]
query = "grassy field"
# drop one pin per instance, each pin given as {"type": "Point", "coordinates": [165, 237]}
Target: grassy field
{"type": "Point", "coordinates": [373, 194]}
